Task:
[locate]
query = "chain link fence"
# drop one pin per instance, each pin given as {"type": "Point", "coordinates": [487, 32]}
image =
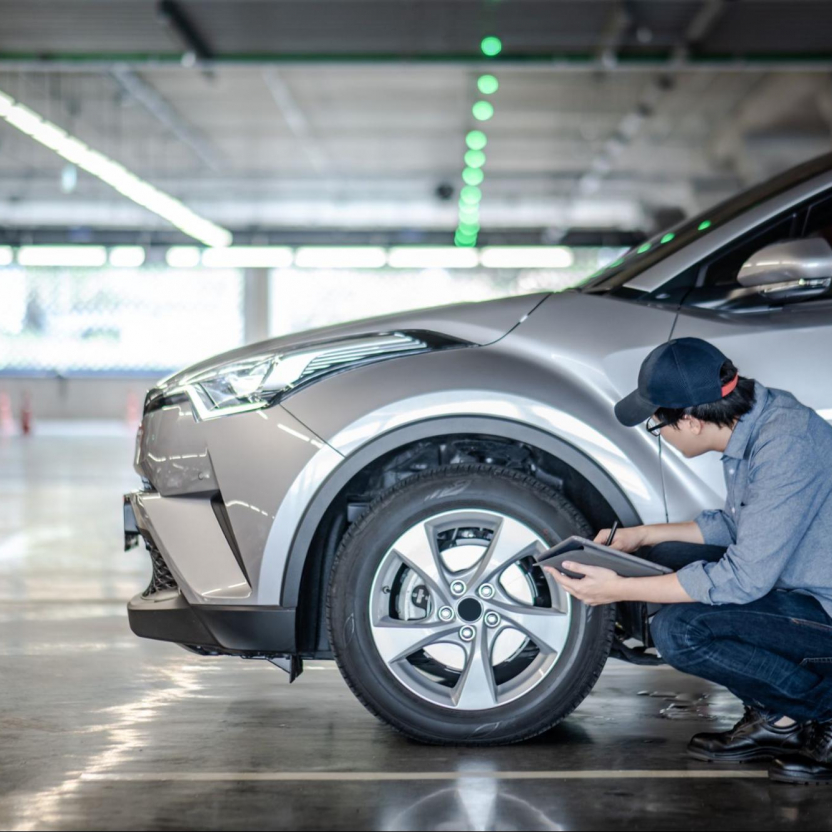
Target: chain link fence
{"type": "Point", "coordinates": [72, 322]}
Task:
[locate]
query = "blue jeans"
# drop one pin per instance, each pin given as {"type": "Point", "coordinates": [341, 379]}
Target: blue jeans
{"type": "Point", "coordinates": [774, 654]}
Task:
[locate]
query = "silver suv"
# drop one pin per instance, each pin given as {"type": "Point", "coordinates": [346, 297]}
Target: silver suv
{"type": "Point", "coordinates": [375, 492]}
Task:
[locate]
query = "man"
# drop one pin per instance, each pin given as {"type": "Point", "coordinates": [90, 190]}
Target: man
{"type": "Point", "coordinates": [750, 603]}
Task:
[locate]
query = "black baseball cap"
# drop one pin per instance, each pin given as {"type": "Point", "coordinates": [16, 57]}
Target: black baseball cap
{"type": "Point", "coordinates": [680, 373]}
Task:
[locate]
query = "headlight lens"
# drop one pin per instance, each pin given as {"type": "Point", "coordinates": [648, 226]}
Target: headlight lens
{"type": "Point", "coordinates": [263, 380]}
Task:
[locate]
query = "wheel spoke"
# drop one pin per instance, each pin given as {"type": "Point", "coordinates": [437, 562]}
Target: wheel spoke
{"type": "Point", "coordinates": [546, 627]}
{"type": "Point", "coordinates": [512, 541]}
{"type": "Point", "coordinates": [476, 688]}
{"type": "Point", "coordinates": [417, 548]}
{"type": "Point", "coordinates": [396, 640]}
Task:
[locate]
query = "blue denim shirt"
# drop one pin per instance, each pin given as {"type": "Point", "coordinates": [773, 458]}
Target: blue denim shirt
{"type": "Point", "coordinates": [777, 519]}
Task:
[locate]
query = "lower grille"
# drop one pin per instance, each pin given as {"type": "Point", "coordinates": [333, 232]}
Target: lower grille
{"type": "Point", "coordinates": [161, 580]}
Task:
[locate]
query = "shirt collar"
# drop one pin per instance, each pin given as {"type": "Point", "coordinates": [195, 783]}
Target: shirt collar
{"type": "Point", "coordinates": [745, 426]}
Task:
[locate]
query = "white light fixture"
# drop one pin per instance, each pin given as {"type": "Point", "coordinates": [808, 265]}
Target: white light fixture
{"type": "Point", "coordinates": [432, 257]}
{"type": "Point", "coordinates": [247, 257]}
{"type": "Point", "coordinates": [62, 256]}
{"type": "Point", "coordinates": [126, 257]}
{"type": "Point", "coordinates": [6, 256]}
{"type": "Point", "coordinates": [526, 257]}
{"type": "Point", "coordinates": [182, 257]}
{"type": "Point", "coordinates": [340, 257]}
{"type": "Point", "coordinates": [114, 174]}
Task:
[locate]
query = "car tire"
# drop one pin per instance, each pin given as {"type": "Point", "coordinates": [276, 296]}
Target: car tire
{"type": "Point", "coordinates": [440, 492]}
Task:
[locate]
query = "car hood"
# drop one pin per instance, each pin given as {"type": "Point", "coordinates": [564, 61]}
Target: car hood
{"type": "Point", "coordinates": [480, 323]}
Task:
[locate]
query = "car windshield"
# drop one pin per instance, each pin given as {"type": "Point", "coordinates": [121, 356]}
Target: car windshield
{"type": "Point", "coordinates": [639, 258]}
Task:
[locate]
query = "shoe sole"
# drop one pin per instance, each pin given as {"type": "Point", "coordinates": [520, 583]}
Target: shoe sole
{"type": "Point", "coordinates": [796, 780]}
{"type": "Point", "coordinates": [751, 757]}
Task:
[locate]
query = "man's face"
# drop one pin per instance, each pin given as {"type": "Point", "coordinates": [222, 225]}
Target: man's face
{"type": "Point", "coordinates": [688, 436]}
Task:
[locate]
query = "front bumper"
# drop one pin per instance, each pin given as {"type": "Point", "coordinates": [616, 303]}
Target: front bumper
{"type": "Point", "coordinates": [239, 630]}
{"type": "Point", "coordinates": [165, 612]}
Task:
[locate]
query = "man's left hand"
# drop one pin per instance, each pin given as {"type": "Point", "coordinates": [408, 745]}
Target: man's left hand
{"type": "Point", "coordinates": [599, 586]}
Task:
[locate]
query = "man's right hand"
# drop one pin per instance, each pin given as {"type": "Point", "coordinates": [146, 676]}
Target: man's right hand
{"type": "Point", "coordinates": [626, 539]}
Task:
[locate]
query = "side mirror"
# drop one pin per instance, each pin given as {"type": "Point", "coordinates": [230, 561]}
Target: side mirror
{"type": "Point", "coordinates": [793, 268]}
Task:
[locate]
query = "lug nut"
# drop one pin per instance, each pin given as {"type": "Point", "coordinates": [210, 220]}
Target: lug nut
{"type": "Point", "coordinates": [467, 633]}
{"type": "Point", "coordinates": [486, 591]}
{"type": "Point", "coordinates": [458, 588]}
{"type": "Point", "coordinates": [446, 613]}
{"type": "Point", "coordinates": [492, 619]}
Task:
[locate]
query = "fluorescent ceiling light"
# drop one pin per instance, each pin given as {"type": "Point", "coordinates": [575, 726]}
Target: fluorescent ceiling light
{"type": "Point", "coordinates": [340, 257]}
{"type": "Point", "coordinates": [248, 257]}
{"type": "Point", "coordinates": [114, 174]}
{"type": "Point", "coordinates": [182, 257]}
{"type": "Point", "coordinates": [62, 256]}
{"type": "Point", "coordinates": [126, 257]}
{"type": "Point", "coordinates": [432, 257]}
{"type": "Point", "coordinates": [527, 257]}
{"type": "Point", "coordinates": [6, 256]}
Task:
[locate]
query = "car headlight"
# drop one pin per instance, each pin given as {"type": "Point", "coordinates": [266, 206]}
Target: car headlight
{"type": "Point", "coordinates": [263, 380]}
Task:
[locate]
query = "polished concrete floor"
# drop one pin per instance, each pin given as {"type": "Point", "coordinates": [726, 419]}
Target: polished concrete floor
{"type": "Point", "coordinates": [101, 730]}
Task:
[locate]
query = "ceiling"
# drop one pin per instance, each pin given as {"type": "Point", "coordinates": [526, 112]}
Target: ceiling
{"type": "Point", "coordinates": [334, 119]}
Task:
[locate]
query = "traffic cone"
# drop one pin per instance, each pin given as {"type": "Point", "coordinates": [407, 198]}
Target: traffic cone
{"type": "Point", "coordinates": [26, 414]}
{"type": "Point", "coordinates": [132, 413]}
{"type": "Point", "coordinates": [6, 416]}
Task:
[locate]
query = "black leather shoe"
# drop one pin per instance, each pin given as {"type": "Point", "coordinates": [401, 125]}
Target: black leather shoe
{"type": "Point", "coordinates": [812, 766]}
{"type": "Point", "coordinates": [752, 738]}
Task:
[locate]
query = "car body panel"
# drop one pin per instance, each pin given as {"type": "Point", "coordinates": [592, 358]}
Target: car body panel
{"type": "Point", "coordinates": [478, 322]}
{"type": "Point", "coordinates": [259, 461]}
{"type": "Point", "coordinates": [186, 532]}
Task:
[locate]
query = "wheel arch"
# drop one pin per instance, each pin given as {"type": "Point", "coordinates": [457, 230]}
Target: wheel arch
{"type": "Point", "coordinates": [326, 518]}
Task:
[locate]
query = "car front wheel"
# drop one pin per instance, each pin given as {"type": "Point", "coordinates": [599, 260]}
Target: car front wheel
{"type": "Point", "coordinates": [442, 624]}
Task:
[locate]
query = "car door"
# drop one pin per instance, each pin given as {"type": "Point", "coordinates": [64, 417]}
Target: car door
{"type": "Point", "coordinates": [785, 346]}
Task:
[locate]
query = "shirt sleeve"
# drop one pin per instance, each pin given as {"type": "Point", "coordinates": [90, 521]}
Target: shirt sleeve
{"type": "Point", "coordinates": [716, 528]}
{"type": "Point", "coordinates": [786, 488]}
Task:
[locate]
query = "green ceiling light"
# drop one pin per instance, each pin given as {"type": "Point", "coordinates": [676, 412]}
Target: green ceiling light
{"type": "Point", "coordinates": [475, 158]}
{"type": "Point", "coordinates": [464, 241]}
{"type": "Point", "coordinates": [473, 176]}
{"type": "Point", "coordinates": [476, 140]}
{"type": "Point", "coordinates": [615, 264]}
{"type": "Point", "coordinates": [487, 84]}
{"type": "Point", "coordinates": [470, 195]}
{"type": "Point", "coordinates": [491, 46]}
{"type": "Point", "coordinates": [483, 110]}
{"type": "Point", "coordinates": [643, 248]}
{"type": "Point", "coordinates": [667, 238]}
{"type": "Point", "coordinates": [468, 227]}
{"type": "Point", "coordinates": [704, 225]}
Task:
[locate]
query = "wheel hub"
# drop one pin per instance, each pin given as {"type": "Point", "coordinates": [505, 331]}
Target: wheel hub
{"type": "Point", "coordinates": [469, 609]}
{"type": "Point", "coordinates": [460, 614]}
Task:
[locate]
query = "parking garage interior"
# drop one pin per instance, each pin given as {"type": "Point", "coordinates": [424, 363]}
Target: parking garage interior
{"type": "Point", "coordinates": [184, 178]}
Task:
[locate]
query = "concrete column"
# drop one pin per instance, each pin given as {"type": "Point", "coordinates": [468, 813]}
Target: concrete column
{"type": "Point", "coordinates": [256, 305]}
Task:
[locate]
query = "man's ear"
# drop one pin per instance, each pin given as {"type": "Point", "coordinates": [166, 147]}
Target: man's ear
{"type": "Point", "coordinates": [696, 425]}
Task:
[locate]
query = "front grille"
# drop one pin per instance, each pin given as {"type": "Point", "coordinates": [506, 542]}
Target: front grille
{"type": "Point", "coordinates": [161, 579]}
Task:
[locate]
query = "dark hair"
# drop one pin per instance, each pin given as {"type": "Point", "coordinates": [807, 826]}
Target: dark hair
{"type": "Point", "coordinates": [722, 412]}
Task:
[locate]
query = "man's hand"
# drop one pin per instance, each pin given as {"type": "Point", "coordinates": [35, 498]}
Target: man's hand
{"type": "Point", "coordinates": [625, 540]}
{"type": "Point", "coordinates": [600, 586]}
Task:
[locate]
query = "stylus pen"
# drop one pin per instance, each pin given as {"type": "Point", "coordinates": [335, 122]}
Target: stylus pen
{"type": "Point", "coordinates": [613, 530]}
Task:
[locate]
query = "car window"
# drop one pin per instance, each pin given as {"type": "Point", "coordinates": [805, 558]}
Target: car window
{"type": "Point", "coordinates": [716, 285]}
{"type": "Point", "coordinates": [646, 255]}
{"type": "Point", "coordinates": [819, 220]}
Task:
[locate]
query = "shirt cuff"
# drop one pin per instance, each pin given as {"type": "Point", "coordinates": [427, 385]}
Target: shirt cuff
{"type": "Point", "coordinates": [695, 581]}
{"type": "Point", "coordinates": [714, 527]}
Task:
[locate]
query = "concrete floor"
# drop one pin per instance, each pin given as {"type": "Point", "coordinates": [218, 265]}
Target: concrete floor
{"type": "Point", "coordinates": [101, 730]}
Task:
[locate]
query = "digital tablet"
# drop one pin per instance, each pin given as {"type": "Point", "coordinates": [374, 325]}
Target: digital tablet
{"type": "Point", "coordinates": [585, 551]}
